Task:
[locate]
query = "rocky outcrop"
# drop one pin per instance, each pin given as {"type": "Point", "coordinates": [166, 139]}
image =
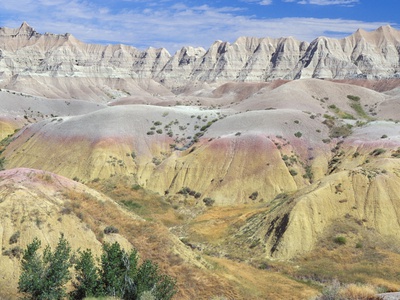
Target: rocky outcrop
{"type": "Point", "coordinates": [25, 53]}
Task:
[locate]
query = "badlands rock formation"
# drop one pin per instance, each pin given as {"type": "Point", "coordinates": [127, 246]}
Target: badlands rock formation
{"type": "Point", "coordinates": [244, 162]}
{"type": "Point", "coordinates": [300, 139]}
{"type": "Point", "coordinates": [60, 66]}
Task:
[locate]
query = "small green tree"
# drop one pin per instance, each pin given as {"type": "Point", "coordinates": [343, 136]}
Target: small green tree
{"type": "Point", "coordinates": [45, 277]}
{"type": "Point", "coordinates": [121, 276]}
{"type": "Point", "coordinates": [118, 271]}
{"type": "Point", "coordinates": [30, 280]}
{"type": "Point", "coordinates": [87, 280]}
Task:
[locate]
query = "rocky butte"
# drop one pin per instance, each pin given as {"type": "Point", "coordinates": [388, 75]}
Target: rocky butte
{"type": "Point", "coordinates": [237, 169]}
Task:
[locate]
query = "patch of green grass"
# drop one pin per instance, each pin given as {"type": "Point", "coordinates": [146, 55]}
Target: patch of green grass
{"type": "Point", "coordinates": [359, 110]}
{"type": "Point", "coordinates": [340, 240]}
{"type": "Point", "coordinates": [131, 205]}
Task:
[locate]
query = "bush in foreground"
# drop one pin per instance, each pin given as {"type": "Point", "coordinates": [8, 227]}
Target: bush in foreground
{"type": "Point", "coordinates": [118, 274]}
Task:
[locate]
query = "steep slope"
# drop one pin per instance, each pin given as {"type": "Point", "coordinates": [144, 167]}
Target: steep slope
{"type": "Point", "coordinates": [36, 204]}
{"type": "Point", "coordinates": [165, 149]}
{"type": "Point", "coordinates": [41, 204]}
{"type": "Point", "coordinates": [257, 144]}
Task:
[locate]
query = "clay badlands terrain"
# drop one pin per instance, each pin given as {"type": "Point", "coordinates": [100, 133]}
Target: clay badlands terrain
{"type": "Point", "coordinates": [259, 169]}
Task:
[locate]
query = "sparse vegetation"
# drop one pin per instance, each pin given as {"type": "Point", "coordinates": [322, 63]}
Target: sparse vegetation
{"type": "Point", "coordinates": [353, 98]}
{"type": "Point", "coordinates": [136, 187]}
{"type": "Point", "coordinates": [13, 252]}
{"type": "Point", "coordinates": [110, 229]}
{"type": "Point", "coordinates": [14, 238]}
{"type": "Point", "coordinates": [396, 154]}
{"type": "Point", "coordinates": [254, 195]}
{"type": "Point", "coordinates": [326, 141]}
{"type": "Point", "coordinates": [309, 174]}
{"type": "Point", "coordinates": [341, 131]}
{"type": "Point", "coordinates": [2, 162]}
{"type": "Point", "coordinates": [298, 134]}
{"type": "Point", "coordinates": [208, 201]}
{"type": "Point", "coordinates": [378, 151]}
{"type": "Point", "coordinates": [340, 240]}
{"type": "Point", "coordinates": [337, 291]}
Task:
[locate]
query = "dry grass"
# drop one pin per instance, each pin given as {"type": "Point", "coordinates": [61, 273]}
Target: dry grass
{"type": "Point", "coordinates": [153, 241]}
{"type": "Point", "coordinates": [367, 258]}
{"type": "Point", "coordinates": [358, 292]}
{"type": "Point", "coordinates": [216, 223]}
{"type": "Point", "coordinates": [261, 284]}
{"type": "Point", "coordinates": [336, 291]}
{"type": "Point", "coordinates": [146, 204]}
{"type": "Point", "coordinates": [225, 279]}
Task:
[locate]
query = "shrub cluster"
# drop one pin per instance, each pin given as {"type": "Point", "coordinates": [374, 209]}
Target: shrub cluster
{"type": "Point", "coordinates": [117, 274]}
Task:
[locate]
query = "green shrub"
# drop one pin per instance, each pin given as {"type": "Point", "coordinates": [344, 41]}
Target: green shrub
{"type": "Point", "coordinates": [136, 187]}
{"type": "Point", "coordinates": [110, 229]}
{"type": "Point", "coordinates": [292, 172]}
{"type": "Point", "coordinates": [118, 274]}
{"type": "Point", "coordinates": [254, 195]}
{"type": "Point", "coordinates": [13, 252]}
{"type": "Point", "coordinates": [208, 201]}
{"type": "Point", "coordinates": [378, 151]}
{"type": "Point", "coordinates": [184, 191]}
{"type": "Point", "coordinates": [309, 174]}
{"type": "Point", "coordinates": [2, 162]}
{"type": "Point", "coordinates": [45, 277]}
{"type": "Point", "coordinates": [298, 134]}
{"type": "Point", "coordinates": [340, 240]}
{"type": "Point", "coordinates": [14, 238]}
{"type": "Point", "coordinates": [353, 98]}
{"type": "Point", "coordinates": [87, 280]}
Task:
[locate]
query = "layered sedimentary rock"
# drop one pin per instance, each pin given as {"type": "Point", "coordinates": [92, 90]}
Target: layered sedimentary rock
{"type": "Point", "coordinates": [29, 57]}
